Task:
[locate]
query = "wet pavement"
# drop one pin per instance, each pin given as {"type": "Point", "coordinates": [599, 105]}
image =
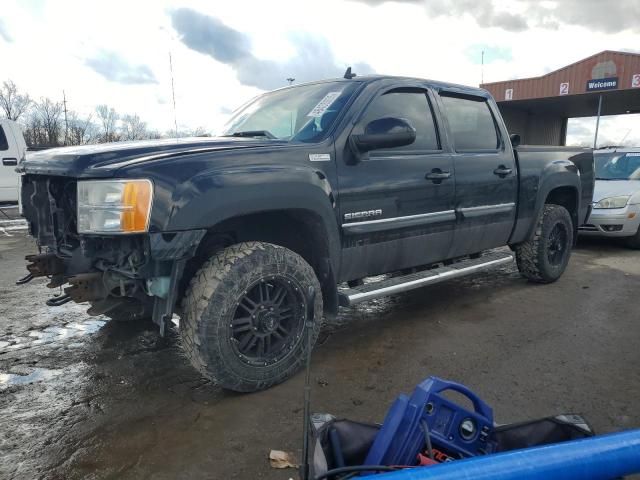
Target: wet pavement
{"type": "Point", "coordinates": [84, 398]}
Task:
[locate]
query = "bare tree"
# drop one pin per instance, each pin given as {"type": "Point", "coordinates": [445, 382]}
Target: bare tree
{"type": "Point", "coordinates": [108, 118]}
{"type": "Point", "coordinates": [34, 134]}
{"type": "Point", "coordinates": [13, 103]}
{"type": "Point", "coordinates": [81, 130]}
{"type": "Point", "coordinates": [133, 128]}
{"type": "Point", "coordinates": [49, 113]}
{"type": "Point", "coordinates": [153, 135]}
{"type": "Point", "coordinates": [200, 132]}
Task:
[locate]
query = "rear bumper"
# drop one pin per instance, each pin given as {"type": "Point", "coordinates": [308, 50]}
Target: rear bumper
{"type": "Point", "coordinates": [614, 222]}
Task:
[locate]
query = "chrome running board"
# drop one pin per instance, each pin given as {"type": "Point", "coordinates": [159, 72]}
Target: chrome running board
{"type": "Point", "coordinates": [369, 291]}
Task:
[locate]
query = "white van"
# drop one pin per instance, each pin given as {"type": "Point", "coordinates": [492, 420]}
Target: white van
{"type": "Point", "coordinates": [13, 150]}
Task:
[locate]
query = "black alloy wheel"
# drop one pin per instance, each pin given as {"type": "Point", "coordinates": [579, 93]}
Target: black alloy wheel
{"type": "Point", "coordinates": [557, 244]}
{"type": "Point", "coordinates": [268, 321]}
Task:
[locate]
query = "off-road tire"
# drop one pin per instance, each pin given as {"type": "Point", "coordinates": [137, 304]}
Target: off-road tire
{"type": "Point", "coordinates": [634, 241]}
{"type": "Point", "coordinates": [212, 301]}
{"type": "Point", "coordinates": [533, 256]}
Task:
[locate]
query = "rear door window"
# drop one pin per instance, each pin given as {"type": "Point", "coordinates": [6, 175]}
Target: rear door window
{"type": "Point", "coordinates": [472, 124]}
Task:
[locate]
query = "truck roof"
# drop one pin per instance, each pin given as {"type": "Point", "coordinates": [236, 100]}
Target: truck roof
{"type": "Point", "coordinates": [423, 81]}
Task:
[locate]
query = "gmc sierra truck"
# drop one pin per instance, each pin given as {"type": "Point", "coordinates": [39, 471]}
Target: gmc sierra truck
{"type": "Point", "coordinates": [310, 187]}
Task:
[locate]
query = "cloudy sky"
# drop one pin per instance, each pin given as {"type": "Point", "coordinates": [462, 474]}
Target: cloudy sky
{"type": "Point", "coordinates": [225, 52]}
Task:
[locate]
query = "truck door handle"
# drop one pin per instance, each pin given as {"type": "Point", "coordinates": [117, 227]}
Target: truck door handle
{"type": "Point", "coordinates": [437, 175]}
{"type": "Point", "coordinates": [9, 162]}
{"type": "Point", "coordinates": [502, 171]}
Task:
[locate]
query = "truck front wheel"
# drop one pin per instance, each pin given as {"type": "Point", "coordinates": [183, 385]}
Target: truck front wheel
{"type": "Point", "coordinates": [243, 316]}
{"type": "Point", "coordinates": [544, 258]}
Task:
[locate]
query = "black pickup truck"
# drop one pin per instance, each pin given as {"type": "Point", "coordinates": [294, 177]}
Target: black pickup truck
{"type": "Point", "coordinates": [318, 185]}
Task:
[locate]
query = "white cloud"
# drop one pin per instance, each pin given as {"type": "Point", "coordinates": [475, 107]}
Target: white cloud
{"type": "Point", "coordinates": [620, 130]}
{"type": "Point", "coordinates": [51, 44]}
{"type": "Point", "coordinates": [4, 32]}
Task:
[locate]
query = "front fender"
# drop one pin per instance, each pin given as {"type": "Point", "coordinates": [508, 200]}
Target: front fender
{"type": "Point", "coordinates": [211, 197]}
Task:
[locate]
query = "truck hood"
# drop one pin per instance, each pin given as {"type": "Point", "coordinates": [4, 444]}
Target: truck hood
{"type": "Point", "coordinates": [615, 188]}
{"type": "Point", "coordinates": [103, 159]}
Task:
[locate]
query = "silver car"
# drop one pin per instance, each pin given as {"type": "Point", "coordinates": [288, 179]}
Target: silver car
{"type": "Point", "coordinates": [616, 199]}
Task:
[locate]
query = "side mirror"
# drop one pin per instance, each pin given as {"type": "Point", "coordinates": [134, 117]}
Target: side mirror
{"type": "Point", "coordinates": [385, 132]}
{"type": "Point", "coordinates": [515, 140]}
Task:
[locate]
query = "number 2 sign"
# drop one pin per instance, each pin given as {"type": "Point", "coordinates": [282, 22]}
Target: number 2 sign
{"type": "Point", "coordinates": [564, 88]}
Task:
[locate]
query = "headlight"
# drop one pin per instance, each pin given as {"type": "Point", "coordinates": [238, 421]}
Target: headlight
{"type": "Point", "coordinates": [613, 202]}
{"type": "Point", "coordinates": [114, 206]}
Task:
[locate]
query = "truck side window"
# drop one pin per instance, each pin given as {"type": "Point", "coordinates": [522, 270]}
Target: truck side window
{"type": "Point", "coordinates": [4, 145]}
{"type": "Point", "coordinates": [471, 123]}
{"type": "Point", "coordinates": [412, 106]}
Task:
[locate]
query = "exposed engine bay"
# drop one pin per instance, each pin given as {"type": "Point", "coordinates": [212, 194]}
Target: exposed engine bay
{"type": "Point", "coordinates": [120, 275]}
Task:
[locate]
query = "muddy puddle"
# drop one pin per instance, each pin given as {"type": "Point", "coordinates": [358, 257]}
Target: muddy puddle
{"type": "Point", "coordinates": [52, 335]}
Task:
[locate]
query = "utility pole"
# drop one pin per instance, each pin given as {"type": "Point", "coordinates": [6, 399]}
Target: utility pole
{"type": "Point", "coordinates": [595, 138]}
{"type": "Point", "coordinates": [66, 123]}
{"type": "Point", "coordinates": [173, 95]}
{"type": "Point", "coordinates": [482, 68]}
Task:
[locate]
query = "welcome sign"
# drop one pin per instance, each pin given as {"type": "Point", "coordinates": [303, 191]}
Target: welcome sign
{"type": "Point", "coordinates": [602, 84]}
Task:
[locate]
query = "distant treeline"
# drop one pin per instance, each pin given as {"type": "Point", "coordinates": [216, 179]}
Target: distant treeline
{"type": "Point", "coordinates": [45, 122]}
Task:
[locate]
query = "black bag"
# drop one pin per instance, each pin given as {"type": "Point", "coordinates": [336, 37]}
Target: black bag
{"type": "Point", "coordinates": [340, 442]}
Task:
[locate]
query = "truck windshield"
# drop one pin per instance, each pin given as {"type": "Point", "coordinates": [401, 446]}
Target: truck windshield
{"type": "Point", "coordinates": [618, 166]}
{"type": "Point", "coordinates": [301, 113]}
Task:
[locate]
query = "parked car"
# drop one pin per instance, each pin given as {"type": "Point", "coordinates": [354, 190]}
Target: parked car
{"type": "Point", "coordinates": [616, 199]}
{"type": "Point", "coordinates": [309, 187]}
{"type": "Point", "coordinates": [12, 150]}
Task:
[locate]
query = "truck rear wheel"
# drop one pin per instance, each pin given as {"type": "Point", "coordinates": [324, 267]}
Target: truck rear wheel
{"type": "Point", "coordinates": [544, 258]}
{"type": "Point", "coordinates": [243, 316]}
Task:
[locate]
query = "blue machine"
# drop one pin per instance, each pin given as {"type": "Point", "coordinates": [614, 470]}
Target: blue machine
{"type": "Point", "coordinates": [603, 457]}
{"type": "Point", "coordinates": [452, 430]}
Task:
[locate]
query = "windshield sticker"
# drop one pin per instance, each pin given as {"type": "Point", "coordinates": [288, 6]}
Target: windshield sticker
{"type": "Point", "coordinates": [323, 104]}
{"type": "Point", "coordinates": [635, 154]}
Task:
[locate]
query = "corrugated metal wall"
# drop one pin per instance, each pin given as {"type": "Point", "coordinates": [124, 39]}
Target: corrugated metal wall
{"type": "Point", "coordinates": [535, 129]}
{"type": "Point", "coordinates": [538, 125]}
{"type": "Point", "coordinates": [576, 74]}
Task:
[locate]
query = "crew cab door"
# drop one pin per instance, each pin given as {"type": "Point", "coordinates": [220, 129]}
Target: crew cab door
{"type": "Point", "coordinates": [485, 169]}
{"type": "Point", "coordinates": [396, 204]}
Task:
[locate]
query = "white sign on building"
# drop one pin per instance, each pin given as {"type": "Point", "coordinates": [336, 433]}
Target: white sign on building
{"type": "Point", "coordinates": [564, 88]}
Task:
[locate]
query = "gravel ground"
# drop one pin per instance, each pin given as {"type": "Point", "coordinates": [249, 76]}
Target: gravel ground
{"type": "Point", "coordinates": [84, 398]}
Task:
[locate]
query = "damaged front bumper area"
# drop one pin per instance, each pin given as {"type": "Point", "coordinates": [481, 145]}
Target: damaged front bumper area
{"type": "Point", "coordinates": [135, 275]}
